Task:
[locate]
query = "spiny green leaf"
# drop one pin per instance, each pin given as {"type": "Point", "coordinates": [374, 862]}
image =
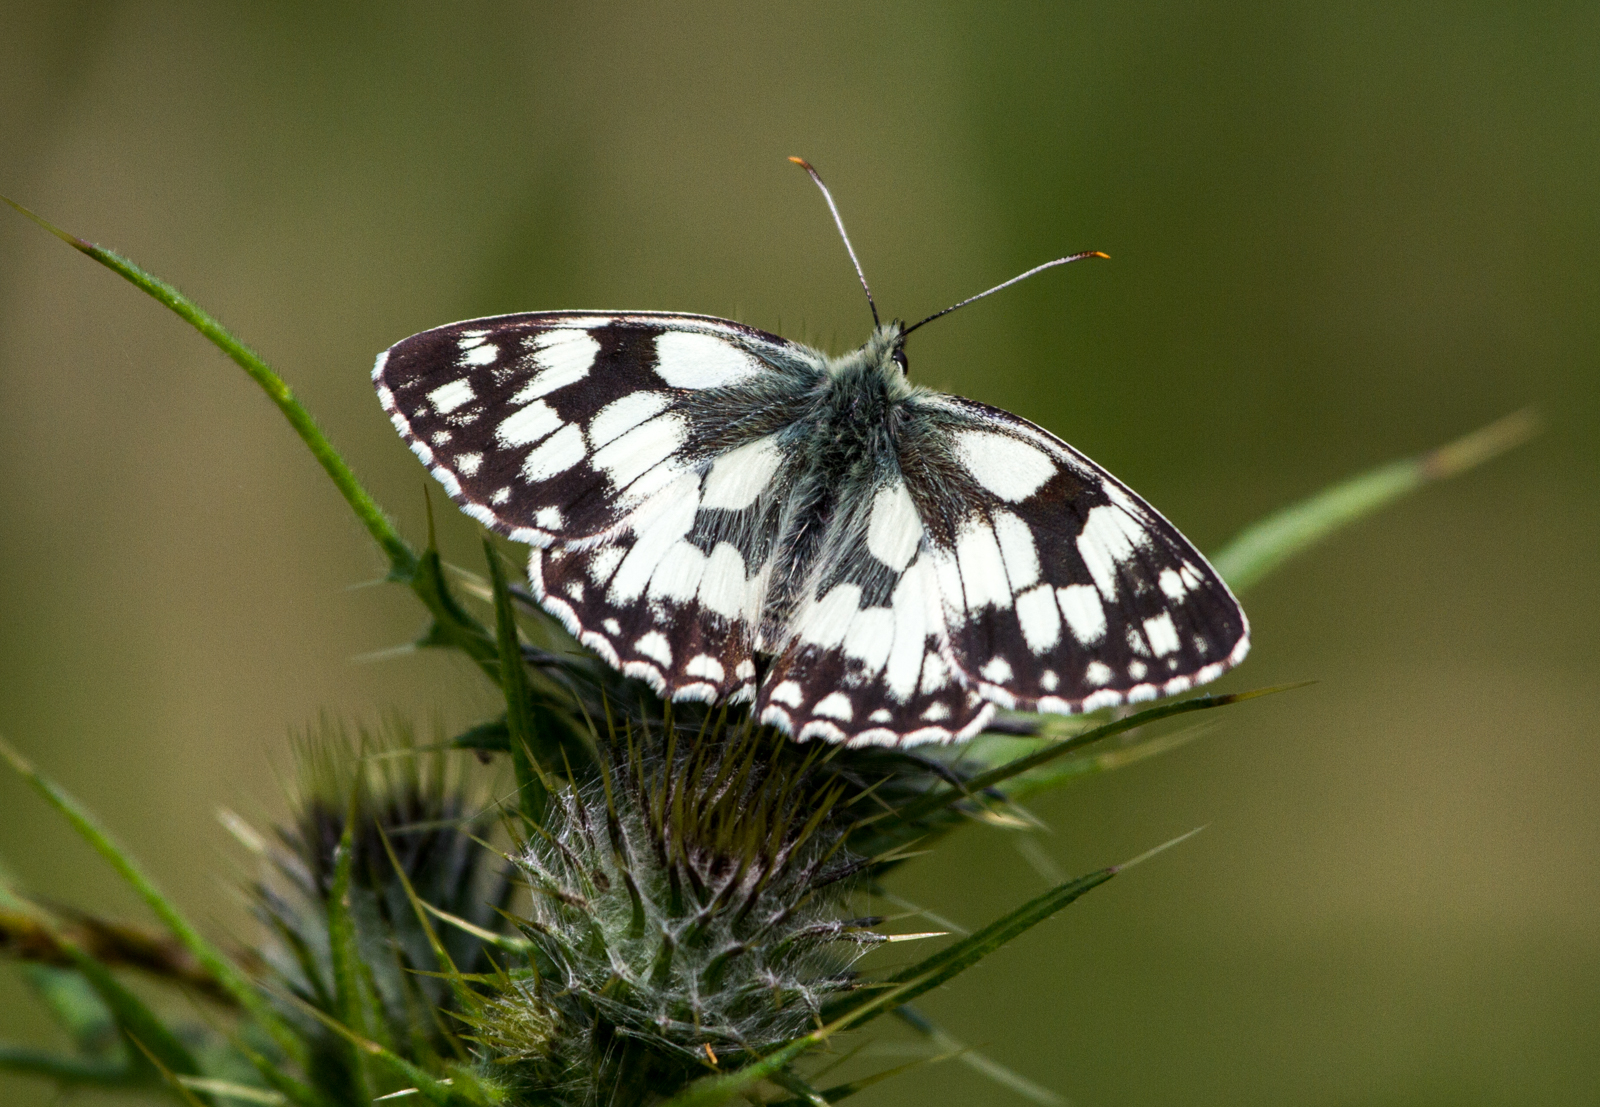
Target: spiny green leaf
{"type": "Point", "coordinates": [211, 959]}
{"type": "Point", "coordinates": [933, 971]}
{"type": "Point", "coordinates": [974, 1060]}
{"type": "Point", "coordinates": [1264, 546]}
{"type": "Point", "coordinates": [935, 801]}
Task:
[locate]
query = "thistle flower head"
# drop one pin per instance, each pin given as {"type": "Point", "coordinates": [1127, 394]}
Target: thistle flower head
{"type": "Point", "coordinates": [685, 910]}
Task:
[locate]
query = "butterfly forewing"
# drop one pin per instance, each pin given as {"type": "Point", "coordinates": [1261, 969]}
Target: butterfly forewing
{"type": "Point", "coordinates": [641, 449]}
{"type": "Point", "coordinates": [556, 426]}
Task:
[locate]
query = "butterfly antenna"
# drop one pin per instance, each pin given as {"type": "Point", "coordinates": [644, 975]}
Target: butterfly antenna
{"type": "Point", "coordinates": [828, 196]}
{"type": "Point", "coordinates": [1008, 284]}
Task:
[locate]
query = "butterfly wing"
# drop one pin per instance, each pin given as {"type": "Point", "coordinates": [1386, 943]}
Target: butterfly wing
{"type": "Point", "coordinates": [636, 452]}
{"type": "Point", "coordinates": [987, 564]}
{"type": "Point", "coordinates": [1061, 589]}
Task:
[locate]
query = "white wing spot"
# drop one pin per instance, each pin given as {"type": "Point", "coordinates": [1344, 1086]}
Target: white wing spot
{"type": "Point", "coordinates": [894, 529]}
{"type": "Point", "coordinates": [723, 588]}
{"type": "Point", "coordinates": [1039, 618]}
{"type": "Point", "coordinates": [528, 424]}
{"type": "Point", "coordinates": [655, 646]}
{"type": "Point", "coordinates": [739, 476]}
{"type": "Point", "coordinates": [704, 665]}
{"type": "Point", "coordinates": [835, 705]}
{"type": "Point", "coordinates": [622, 415]}
{"type": "Point", "coordinates": [787, 692]}
{"type": "Point", "coordinates": [745, 670]}
{"type": "Point", "coordinates": [997, 670]}
{"type": "Point", "coordinates": [447, 397]}
{"type": "Point", "coordinates": [1017, 547]}
{"type": "Point", "coordinates": [469, 464]}
{"type": "Point", "coordinates": [501, 496]}
{"type": "Point", "coordinates": [1049, 681]}
{"type": "Point", "coordinates": [1162, 634]}
{"type": "Point", "coordinates": [603, 563]}
{"type": "Point", "coordinates": [1172, 584]}
{"type": "Point", "coordinates": [613, 627]}
{"type": "Point", "coordinates": [1110, 535]}
{"type": "Point", "coordinates": [936, 713]}
{"type": "Point", "coordinates": [441, 437]}
{"type": "Point", "coordinates": [558, 453]}
{"type": "Point", "coordinates": [685, 359]}
{"type": "Point", "coordinates": [1011, 469]}
{"type": "Point", "coordinates": [825, 622]}
{"type": "Point", "coordinates": [563, 356]}
{"type": "Point", "coordinates": [871, 634]}
{"type": "Point", "coordinates": [910, 607]}
{"type": "Point", "coordinates": [1135, 640]}
{"type": "Point", "coordinates": [644, 447]}
{"type": "Point", "coordinates": [575, 590]}
{"type": "Point", "coordinates": [934, 674]}
{"type": "Point", "coordinates": [882, 715]}
{"type": "Point", "coordinates": [1137, 669]}
{"type": "Point", "coordinates": [669, 518]}
{"type": "Point", "coordinates": [549, 518]}
{"type": "Point", "coordinates": [1084, 613]}
{"type": "Point", "coordinates": [1097, 675]}
{"type": "Point", "coordinates": [983, 572]}
{"type": "Point", "coordinates": [677, 575]}
{"type": "Point", "coordinates": [479, 353]}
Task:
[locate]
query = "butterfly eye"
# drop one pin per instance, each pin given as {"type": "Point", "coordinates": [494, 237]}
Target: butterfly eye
{"type": "Point", "coordinates": [900, 360]}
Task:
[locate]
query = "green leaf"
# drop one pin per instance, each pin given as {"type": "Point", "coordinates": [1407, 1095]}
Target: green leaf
{"type": "Point", "coordinates": [347, 976]}
{"type": "Point", "coordinates": [957, 957]}
{"type": "Point", "coordinates": [76, 1006]}
{"type": "Point", "coordinates": [490, 737]}
{"type": "Point", "coordinates": [234, 982]}
{"type": "Point", "coordinates": [936, 801]}
{"type": "Point", "coordinates": [1264, 546]}
{"type": "Point", "coordinates": [141, 1025]}
{"type": "Point", "coordinates": [533, 787]}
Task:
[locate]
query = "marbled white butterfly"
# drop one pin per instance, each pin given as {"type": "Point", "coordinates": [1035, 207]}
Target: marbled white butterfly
{"type": "Point", "coordinates": [730, 516]}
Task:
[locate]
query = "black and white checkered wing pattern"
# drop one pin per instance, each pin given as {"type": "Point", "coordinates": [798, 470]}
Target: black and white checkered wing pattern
{"type": "Point", "coordinates": [1064, 591]}
{"type": "Point", "coordinates": [993, 565]}
{"type": "Point", "coordinates": [635, 452]}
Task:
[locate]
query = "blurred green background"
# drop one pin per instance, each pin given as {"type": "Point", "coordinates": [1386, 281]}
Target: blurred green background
{"type": "Point", "coordinates": [1340, 233]}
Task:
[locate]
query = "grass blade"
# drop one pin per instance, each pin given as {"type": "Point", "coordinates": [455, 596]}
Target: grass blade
{"type": "Point", "coordinates": [1263, 546]}
{"type": "Point", "coordinates": [224, 971]}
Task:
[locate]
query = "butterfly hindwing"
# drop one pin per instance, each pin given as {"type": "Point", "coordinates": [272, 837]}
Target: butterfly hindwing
{"type": "Point", "coordinates": [1061, 589]}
